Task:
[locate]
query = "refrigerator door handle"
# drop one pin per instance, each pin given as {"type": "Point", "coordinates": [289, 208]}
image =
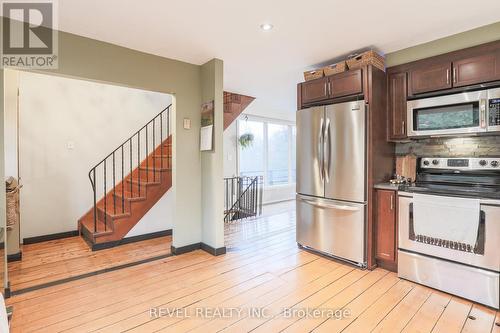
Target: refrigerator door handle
{"type": "Point", "coordinates": [331, 206]}
{"type": "Point", "coordinates": [326, 152]}
{"type": "Point", "coordinates": [321, 149]}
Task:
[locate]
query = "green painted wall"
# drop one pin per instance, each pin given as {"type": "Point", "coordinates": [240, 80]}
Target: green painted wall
{"type": "Point", "coordinates": [212, 162]}
{"type": "Point", "coordinates": [89, 59]}
{"type": "Point", "coordinates": [481, 35]}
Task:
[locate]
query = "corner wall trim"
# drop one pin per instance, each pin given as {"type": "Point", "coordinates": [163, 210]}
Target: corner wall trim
{"type": "Point", "coordinates": [45, 238]}
{"type": "Point", "coordinates": [14, 257]}
{"type": "Point", "coordinates": [198, 246]}
{"type": "Point", "coordinates": [185, 249]}
{"type": "Point", "coordinates": [213, 251]}
{"type": "Point", "coordinates": [133, 239]}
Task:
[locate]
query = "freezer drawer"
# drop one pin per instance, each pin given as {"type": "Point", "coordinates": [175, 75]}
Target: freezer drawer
{"type": "Point", "coordinates": [336, 228]}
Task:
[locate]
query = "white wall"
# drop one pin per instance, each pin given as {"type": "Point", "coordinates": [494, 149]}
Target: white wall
{"type": "Point", "coordinates": [271, 193]}
{"type": "Point", "coordinates": [96, 118]}
{"type": "Point", "coordinates": [231, 150]}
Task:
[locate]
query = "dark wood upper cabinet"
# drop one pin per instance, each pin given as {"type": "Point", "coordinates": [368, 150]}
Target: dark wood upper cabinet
{"type": "Point", "coordinates": [314, 91]}
{"type": "Point", "coordinates": [429, 78]}
{"type": "Point", "coordinates": [346, 83]}
{"type": "Point", "coordinates": [386, 226]}
{"type": "Point", "coordinates": [397, 92]}
{"type": "Point", "coordinates": [476, 70]}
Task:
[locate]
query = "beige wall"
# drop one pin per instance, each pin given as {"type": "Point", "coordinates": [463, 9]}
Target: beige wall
{"type": "Point", "coordinates": [94, 60]}
{"type": "Point", "coordinates": [481, 35]}
{"type": "Point", "coordinates": [212, 196]}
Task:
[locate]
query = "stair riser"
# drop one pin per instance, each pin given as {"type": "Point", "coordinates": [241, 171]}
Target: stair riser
{"type": "Point", "coordinates": [157, 162]}
{"type": "Point", "coordinates": [111, 213]}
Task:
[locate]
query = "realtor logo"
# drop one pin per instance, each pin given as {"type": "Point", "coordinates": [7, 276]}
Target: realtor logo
{"type": "Point", "coordinates": [29, 35]}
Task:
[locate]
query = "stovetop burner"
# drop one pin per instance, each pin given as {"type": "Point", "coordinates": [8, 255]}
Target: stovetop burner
{"type": "Point", "coordinates": [453, 190]}
{"type": "Point", "coordinates": [462, 177]}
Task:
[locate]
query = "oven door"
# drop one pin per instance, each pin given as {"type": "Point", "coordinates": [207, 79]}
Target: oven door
{"type": "Point", "coordinates": [448, 115]}
{"type": "Point", "coordinates": [486, 256]}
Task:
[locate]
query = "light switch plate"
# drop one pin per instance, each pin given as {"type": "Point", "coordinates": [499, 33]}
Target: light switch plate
{"type": "Point", "coordinates": [70, 145]}
{"type": "Point", "coordinates": [187, 123]}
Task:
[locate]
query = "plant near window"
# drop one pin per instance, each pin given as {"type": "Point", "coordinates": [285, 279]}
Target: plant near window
{"type": "Point", "coordinates": [246, 140]}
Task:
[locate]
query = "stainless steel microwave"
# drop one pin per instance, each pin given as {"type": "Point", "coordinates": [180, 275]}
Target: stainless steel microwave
{"type": "Point", "coordinates": [464, 113]}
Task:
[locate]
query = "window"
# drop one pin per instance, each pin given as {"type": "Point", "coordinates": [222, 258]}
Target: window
{"type": "Point", "coordinates": [277, 154]}
{"type": "Point", "coordinates": [252, 156]}
{"type": "Point", "coordinates": [271, 153]}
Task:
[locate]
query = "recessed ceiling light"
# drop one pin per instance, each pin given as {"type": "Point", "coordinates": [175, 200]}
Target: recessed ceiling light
{"type": "Point", "coordinates": [266, 26]}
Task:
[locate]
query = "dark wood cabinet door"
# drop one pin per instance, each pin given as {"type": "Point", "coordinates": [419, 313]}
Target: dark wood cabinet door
{"type": "Point", "coordinates": [346, 84]}
{"type": "Point", "coordinates": [397, 106]}
{"type": "Point", "coordinates": [429, 78]}
{"type": "Point", "coordinates": [475, 70]}
{"type": "Point", "coordinates": [386, 225]}
{"type": "Point", "coordinates": [314, 91]}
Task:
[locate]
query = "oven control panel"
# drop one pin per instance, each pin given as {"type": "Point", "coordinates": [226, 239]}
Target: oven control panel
{"type": "Point", "coordinates": [471, 163]}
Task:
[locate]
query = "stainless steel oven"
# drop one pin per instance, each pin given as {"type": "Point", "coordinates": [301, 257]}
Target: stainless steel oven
{"type": "Point", "coordinates": [464, 113]}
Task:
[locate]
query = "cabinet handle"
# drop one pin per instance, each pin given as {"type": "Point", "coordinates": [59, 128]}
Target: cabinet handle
{"type": "Point", "coordinates": [447, 76]}
{"type": "Point", "coordinates": [329, 88]}
{"type": "Point", "coordinates": [392, 202]}
{"type": "Point", "coordinates": [454, 75]}
{"type": "Point", "coordinates": [403, 127]}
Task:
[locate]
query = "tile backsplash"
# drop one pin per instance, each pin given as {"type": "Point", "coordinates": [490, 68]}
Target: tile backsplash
{"type": "Point", "coordinates": [452, 147]}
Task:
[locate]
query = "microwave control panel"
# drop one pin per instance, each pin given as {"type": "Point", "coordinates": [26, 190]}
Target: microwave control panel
{"type": "Point", "coordinates": [494, 112]}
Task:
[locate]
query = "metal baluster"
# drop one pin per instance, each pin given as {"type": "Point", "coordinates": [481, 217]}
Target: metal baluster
{"type": "Point", "coordinates": [123, 185]}
{"type": "Point", "coordinates": [131, 175]}
{"type": "Point", "coordinates": [147, 160]}
{"type": "Point", "coordinates": [95, 200]}
{"type": "Point", "coordinates": [139, 161]}
{"type": "Point", "coordinates": [105, 197]}
{"type": "Point", "coordinates": [153, 152]}
{"type": "Point", "coordinates": [114, 186]}
{"type": "Point", "coordinates": [161, 140]}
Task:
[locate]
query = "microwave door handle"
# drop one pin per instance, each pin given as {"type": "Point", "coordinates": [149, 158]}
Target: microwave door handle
{"type": "Point", "coordinates": [482, 110]}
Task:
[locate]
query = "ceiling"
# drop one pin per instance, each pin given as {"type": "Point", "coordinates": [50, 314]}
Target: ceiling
{"type": "Point", "coordinates": [268, 65]}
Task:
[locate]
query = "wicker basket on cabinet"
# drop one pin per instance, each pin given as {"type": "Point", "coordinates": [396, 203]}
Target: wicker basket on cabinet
{"type": "Point", "coordinates": [335, 68]}
{"type": "Point", "coordinates": [314, 74]}
{"type": "Point", "coordinates": [366, 58]}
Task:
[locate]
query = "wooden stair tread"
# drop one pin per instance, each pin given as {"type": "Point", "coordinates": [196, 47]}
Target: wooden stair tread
{"type": "Point", "coordinates": [143, 182]}
{"type": "Point", "coordinates": [130, 196]}
{"type": "Point", "coordinates": [162, 156]}
{"type": "Point", "coordinates": [164, 169]}
{"type": "Point", "coordinates": [89, 225]}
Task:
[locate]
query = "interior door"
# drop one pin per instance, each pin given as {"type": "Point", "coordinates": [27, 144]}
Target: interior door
{"type": "Point", "coordinates": [310, 126]}
{"type": "Point", "coordinates": [345, 151]}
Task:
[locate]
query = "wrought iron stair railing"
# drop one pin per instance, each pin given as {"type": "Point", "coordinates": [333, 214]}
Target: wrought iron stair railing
{"type": "Point", "coordinates": [129, 169]}
{"type": "Point", "coordinates": [242, 197]}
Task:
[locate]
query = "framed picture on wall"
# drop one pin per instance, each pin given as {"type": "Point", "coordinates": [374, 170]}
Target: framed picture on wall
{"type": "Point", "coordinates": [207, 126]}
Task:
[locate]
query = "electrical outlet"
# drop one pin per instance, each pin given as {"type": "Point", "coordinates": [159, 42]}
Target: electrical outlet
{"type": "Point", "coordinates": [70, 145]}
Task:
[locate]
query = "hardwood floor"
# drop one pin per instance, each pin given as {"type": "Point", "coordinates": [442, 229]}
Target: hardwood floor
{"type": "Point", "coordinates": [68, 257]}
{"type": "Point", "coordinates": [264, 283]}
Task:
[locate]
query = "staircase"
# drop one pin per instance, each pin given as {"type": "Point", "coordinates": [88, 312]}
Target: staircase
{"type": "Point", "coordinates": [242, 197]}
{"type": "Point", "coordinates": [128, 182]}
{"type": "Point", "coordinates": [234, 104]}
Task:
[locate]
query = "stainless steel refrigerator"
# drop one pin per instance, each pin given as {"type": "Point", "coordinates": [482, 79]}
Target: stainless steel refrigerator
{"type": "Point", "coordinates": [331, 180]}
